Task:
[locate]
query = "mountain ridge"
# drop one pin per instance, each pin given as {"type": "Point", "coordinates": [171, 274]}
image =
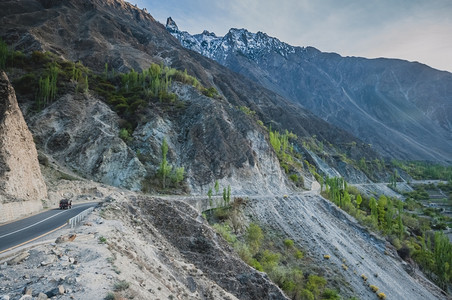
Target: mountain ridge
{"type": "Point", "coordinates": [401, 108]}
{"type": "Point", "coordinates": [133, 40]}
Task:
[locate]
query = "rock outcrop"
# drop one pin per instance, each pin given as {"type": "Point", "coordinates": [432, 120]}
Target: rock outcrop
{"type": "Point", "coordinates": [21, 184]}
{"type": "Point", "coordinates": [82, 133]}
{"type": "Point", "coordinates": [213, 142]}
{"type": "Point", "coordinates": [209, 138]}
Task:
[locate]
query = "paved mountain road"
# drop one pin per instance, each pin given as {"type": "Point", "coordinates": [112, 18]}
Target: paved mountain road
{"type": "Point", "coordinates": [25, 230]}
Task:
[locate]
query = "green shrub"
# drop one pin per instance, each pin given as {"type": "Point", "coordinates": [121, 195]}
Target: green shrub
{"type": "Point", "coordinates": [121, 286]}
{"type": "Point", "coordinates": [285, 167]}
{"type": "Point", "coordinates": [124, 135]}
{"type": "Point", "coordinates": [269, 260]}
{"type": "Point", "coordinates": [102, 240]}
{"type": "Point", "coordinates": [247, 110]}
{"type": "Point", "coordinates": [225, 231]}
{"type": "Point", "coordinates": [4, 54]}
{"type": "Point", "coordinates": [316, 284]}
{"type": "Point", "coordinates": [244, 252]}
{"type": "Point", "coordinates": [26, 84]}
{"type": "Point", "coordinates": [210, 92]}
{"type": "Point", "coordinates": [298, 254]}
{"type": "Point", "coordinates": [306, 294]}
{"type": "Point", "coordinates": [177, 175]}
{"type": "Point", "coordinates": [254, 237]}
{"type": "Point", "coordinates": [330, 294]}
{"type": "Point", "coordinates": [288, 286]}
{"type": "Point", "coordinates": [222, 213]}
{"type": "Point", "coordinates": [294, 177]}
{"type": "Point", "coordinates": [256, 264]}
{"type": "Point", "coordinates": [110, 296]}
{"type": "Point", "coordinates": [288, 243]}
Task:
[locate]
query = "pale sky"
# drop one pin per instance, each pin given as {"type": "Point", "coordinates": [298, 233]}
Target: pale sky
{"type": "Point", "coordinates": [415, 30]}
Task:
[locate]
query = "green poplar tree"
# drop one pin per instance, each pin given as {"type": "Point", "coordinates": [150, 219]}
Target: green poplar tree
{"type": "Point", "coordinates": [165, 167]}
{"type": "Point", "coordinates": [443, 258]}
{"type": "Point", "coordinates": [217, 187]}
{"type": "Point", "coordinates": [209, 194]}
{"type": "Point", "coordinates": [389, 216]}
{"type": "Point", "coordinates": [224, 197]}
{"type": "Point", "coordinates": [359, 200]}
{"type": "Point", "coordinates": [382, 202]}
{"type": "Point", "coordinates": [106, 71]}
{"type": "Point", "coordinates": [373, 209]}
{"type": "Point", "coordinates": [85, 81]}
{"type": "Point", "coordinates": [347, 199]}
{"type": "Point", "coordinates": [400, 226]}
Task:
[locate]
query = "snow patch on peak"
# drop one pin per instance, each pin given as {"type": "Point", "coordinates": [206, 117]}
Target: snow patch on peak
{"type": "Point", "coordinates": [205, 32]}
{"type": "Point", "coordinates": [252, 45]}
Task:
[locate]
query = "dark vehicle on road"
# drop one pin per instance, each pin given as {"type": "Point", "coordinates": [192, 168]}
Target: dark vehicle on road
{"type": "Point", "coordinates": [65, 204]}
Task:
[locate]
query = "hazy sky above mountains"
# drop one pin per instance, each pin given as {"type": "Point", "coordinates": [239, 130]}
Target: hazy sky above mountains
{"type": "Point", "coordinates": [415, 30]}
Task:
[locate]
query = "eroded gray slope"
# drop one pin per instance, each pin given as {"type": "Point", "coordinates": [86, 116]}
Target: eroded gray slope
{"type": "Point", "coordinates": [322, 229]}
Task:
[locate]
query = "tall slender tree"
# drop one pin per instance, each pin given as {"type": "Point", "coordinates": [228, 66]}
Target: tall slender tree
{"type": "Point", "coordinates": [165, 167]}
{"type": "Point", "coordinates": [217, 187]}
{"type": "Point", "coordinates": [382, 202]}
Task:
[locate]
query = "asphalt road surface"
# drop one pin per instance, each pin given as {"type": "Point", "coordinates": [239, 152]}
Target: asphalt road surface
{"type": "Point", "coordinates": [29, 229]}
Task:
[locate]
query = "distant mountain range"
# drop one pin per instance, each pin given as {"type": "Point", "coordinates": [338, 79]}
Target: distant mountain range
{"type": "Point", "coordinates": [403, 109]}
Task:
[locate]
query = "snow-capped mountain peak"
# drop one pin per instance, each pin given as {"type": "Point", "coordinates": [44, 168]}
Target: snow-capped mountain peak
{"type": "Point", "coordinates": [252, 45]}
{"type": "Point", "coordinates": [171, 25]}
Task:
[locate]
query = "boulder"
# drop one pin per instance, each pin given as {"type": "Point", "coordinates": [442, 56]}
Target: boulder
{"type": "Point", "coordinates": [19, 258]}
{"type": "Point", "coordinates": [55, 292]}
{"type": "Point", "coordinates": [42, 296]}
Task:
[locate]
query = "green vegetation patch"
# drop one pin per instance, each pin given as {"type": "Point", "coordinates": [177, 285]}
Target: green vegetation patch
{"type": "Point", "coordinates": [412, 226]}
{"type": "Point", "coordinates": [280, 258]}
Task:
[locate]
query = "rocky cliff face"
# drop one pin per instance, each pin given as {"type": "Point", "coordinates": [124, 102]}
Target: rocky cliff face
{"type": "Point", "coordinates": [210, 139]}
{"type": "Point", "coordinates": [403, 109]}
{"type": "Point", "coordinates": [81, 132]}
{"type": "Point", "coordinates": [21, 183]}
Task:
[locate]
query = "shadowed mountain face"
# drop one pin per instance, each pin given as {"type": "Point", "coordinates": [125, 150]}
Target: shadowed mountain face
{"type": "Point", "coordinates": [118, 33]}
{"type": "Point", "coordinates": [403, 109]}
